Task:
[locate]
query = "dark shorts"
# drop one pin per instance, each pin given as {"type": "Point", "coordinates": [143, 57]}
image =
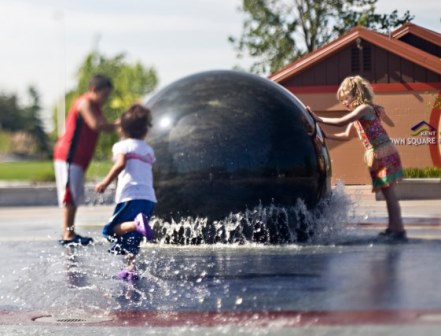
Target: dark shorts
{"type": "Point", "coordinates": [126, 212]}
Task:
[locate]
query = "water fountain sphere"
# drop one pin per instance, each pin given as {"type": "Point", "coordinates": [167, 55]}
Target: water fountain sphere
{"type": "Point", "coordinates": [226, 141]}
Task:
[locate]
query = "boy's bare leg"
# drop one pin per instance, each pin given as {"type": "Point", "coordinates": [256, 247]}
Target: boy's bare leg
{"type": "Point", "coordinates": [69, 220]}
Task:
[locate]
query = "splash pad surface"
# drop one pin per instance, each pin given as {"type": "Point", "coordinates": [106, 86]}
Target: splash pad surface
{"type": "Point", "coordinates": [353, 284]}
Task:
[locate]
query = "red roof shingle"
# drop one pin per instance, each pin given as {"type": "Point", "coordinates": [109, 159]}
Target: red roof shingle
{"type": "Point", "coordinates": [389, 43]}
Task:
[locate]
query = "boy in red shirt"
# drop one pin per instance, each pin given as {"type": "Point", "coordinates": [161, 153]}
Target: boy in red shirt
{"type": "Point", "coordinates": [74, 151]}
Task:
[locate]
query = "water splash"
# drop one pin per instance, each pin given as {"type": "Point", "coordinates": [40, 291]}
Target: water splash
{"type": "Point", "coordinates": [266, 225]}
{"type": "Point", "coordinates": [93, 198]}
{"type": "Point", "coordinates": [82, 280]}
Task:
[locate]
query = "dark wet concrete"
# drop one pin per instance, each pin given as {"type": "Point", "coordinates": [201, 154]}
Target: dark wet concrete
{"type": "Point", "coordinates": [355, 285]}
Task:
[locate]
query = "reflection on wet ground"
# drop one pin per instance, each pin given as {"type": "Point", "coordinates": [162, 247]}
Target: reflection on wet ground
{"type": "Point", "coordinates": [345, 277]}
{"type": "Point", "coordinates": [367, 274]}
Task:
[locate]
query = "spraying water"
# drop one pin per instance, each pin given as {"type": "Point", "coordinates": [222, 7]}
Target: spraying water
{"type": "Point", "coordinates": [176, 274]}
{"type": "Point", "coordinates": [265, 225]}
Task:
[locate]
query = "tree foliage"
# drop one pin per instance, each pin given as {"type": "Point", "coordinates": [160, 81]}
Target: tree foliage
{"type": "Point", "coordinates": [276, 32]}
{"type": "Point", "coordinates": [131, 82]}
{"type": "Point", "coordinates": [11, 115]}
{"type": "Point", "coordinates": [33, 123]}
{"type": "Point", "coordinates": [15, 117]}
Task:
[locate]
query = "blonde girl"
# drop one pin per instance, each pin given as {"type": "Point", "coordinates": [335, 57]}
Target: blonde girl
{"type": "Point", "coordinates": [381, 156]}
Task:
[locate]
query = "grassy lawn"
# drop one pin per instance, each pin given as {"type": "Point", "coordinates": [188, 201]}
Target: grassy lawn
{"type": "Point", "coordinates": [43, 171]}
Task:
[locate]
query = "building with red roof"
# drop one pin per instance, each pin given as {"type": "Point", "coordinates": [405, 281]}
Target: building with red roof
{"type": "Point", "coordinates": [404, 69]}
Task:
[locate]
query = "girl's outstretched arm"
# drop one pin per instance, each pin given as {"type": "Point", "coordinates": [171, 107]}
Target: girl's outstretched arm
{"type": "Point", "coordinates": [342, 136]}
{"type": "Point", "coordinates": [119, 165]}
{"type": "Point", "coordinates": [356, 114]}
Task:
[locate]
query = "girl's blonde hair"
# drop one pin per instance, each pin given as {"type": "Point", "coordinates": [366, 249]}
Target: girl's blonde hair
{"type": "Point", "coordinates": [357, 87]}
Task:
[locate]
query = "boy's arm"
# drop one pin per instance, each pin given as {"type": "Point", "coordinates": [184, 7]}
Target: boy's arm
{"type": "Point", "coordinates": [95, 122]}
{"type": "Point", "coordinates": [119, 165]}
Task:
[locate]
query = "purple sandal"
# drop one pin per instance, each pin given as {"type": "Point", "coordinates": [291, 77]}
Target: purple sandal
{"type": "Point", "coordinates": [128, 275]}
{"type": "Point", "coordinates": [143, 227]}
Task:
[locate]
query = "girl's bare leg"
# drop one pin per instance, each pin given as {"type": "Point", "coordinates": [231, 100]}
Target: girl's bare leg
{"type": "Point", "coordinates": [123, 228]}
{"type": "Point", "coordinates": [130, 261]}
{"type": "Point", "coordinates": [393, 209]}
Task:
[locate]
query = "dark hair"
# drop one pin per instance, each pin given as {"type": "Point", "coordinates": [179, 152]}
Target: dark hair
{"type": "Point", "coordinates": [100, 82]}
{"type": "Point", "coordinates": [136, 121]}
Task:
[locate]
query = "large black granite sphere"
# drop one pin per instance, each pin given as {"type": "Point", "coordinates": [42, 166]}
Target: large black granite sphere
{"type": "Point", "coordinates": [226, 141]}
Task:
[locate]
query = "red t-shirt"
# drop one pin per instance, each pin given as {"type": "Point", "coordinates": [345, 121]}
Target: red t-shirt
{"type": "Point", "coordinates": [77, 144]}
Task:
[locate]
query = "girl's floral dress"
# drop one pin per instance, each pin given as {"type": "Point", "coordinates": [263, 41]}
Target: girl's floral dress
{"type": "Point", "coordinates": [381, 156]}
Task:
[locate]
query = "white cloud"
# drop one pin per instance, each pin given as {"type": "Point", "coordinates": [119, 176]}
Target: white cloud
{"type": "Point", "coordinates": [113, 23]}
{"type": "Point", "coordinates": [44, 41]}
{"type": "Point", "coordinates": [32, 44]}
{"type": "Point", "coordinates": [427, 13]}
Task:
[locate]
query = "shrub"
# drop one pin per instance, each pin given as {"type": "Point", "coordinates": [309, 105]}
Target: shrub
{"type": "Point", "coordinates": [422, 172]}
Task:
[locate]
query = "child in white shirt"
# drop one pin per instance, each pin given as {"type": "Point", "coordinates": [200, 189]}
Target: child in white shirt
{"type": "Point", "coordinates": [135, 197]}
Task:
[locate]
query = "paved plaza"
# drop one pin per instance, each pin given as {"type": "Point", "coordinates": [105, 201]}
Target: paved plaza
{"type": "Point", "coordinates": [356, 285]}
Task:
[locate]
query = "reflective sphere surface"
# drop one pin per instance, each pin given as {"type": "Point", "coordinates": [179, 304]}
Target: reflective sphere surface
{"type": "Point", "coordinates": [226, 141]}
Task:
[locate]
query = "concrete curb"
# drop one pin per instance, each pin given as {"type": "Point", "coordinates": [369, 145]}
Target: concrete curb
{"type": "Point", "coordinates": [45, 194]}
{"type": "Point", "coordinates": [416, 189]}
{"type": "Point", "coordinates": [18, 193]}
{"type": "Point", "coordinates": [28, 195]}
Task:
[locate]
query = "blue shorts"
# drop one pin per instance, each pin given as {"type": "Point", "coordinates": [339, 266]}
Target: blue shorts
{"type": "Point", "coordinates": [126, 212]}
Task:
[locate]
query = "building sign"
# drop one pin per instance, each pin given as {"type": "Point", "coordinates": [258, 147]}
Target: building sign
{"type": "Point", "coordinates": [420, 134]}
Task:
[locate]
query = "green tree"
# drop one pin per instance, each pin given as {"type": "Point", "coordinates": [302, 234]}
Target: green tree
{"type": "Point", "coordinates": [33, 124]}
{"type": "Point", "coordinates": [11, 118]}
{"type": "Point", "coordinates": [276, 32]}
{"type": "Point", "coordinates": [131, 83]}
{"type": "Point", "coordinates": [14, 117]}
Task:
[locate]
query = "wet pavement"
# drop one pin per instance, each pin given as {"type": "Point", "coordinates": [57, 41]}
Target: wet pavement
{"type": "Point", "coordinates": [353, 284]}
